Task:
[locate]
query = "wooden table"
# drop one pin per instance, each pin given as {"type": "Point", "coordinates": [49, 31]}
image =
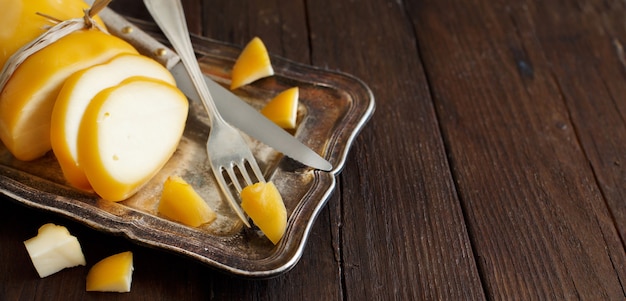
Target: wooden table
{"type": "Point", "coordinates": [493, 168]}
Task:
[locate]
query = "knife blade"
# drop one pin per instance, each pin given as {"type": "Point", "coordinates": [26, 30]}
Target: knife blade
{"type": "Point", "coordinates": [232, 108]}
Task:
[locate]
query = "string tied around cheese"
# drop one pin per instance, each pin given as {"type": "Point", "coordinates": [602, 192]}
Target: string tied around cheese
{"type": "Point", "coordinates": [51, 35]}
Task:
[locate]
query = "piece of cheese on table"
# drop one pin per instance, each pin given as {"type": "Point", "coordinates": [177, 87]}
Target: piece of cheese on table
{"type": "Point", "coordinates": [54, 249]}
{"type": "Point", "coordinates": [112, 274]}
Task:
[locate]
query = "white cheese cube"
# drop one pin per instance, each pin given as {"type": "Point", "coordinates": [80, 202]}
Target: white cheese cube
{"type": "Point", "coordinates": [54, 249]}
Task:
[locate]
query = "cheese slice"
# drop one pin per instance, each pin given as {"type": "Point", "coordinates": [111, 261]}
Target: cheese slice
{"type": "Point", "coordinates": [127, 134]}
{"type": "Point", "coordinates": [76, 94]}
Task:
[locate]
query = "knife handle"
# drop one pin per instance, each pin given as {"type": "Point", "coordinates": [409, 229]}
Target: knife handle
{"type": "Point", "coordinates": [143, 42]}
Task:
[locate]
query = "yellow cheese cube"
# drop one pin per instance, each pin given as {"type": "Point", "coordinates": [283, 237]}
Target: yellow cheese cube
{"type": "Point", "coordinates": [283, 109]}
{"type": "Point", "coordinates": [252, 64]}
{"type": "Point", "coordinates": [112, 274]}
{"type": "Point", "coordinates": [181, 203]}
{"type": "Point", "coordinates": [263, 203]}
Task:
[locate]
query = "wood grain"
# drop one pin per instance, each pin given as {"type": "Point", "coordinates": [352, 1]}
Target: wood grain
{"type": "Point", "coordinates": [501, 77]}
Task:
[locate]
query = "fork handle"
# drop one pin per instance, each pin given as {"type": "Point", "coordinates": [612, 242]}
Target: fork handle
{"type": "Point", "coordinates": [170, 17]}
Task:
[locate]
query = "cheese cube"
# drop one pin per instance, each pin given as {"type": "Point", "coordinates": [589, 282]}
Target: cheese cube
{"type": "Point", "coordinates": [54, 249]}
{"type": "Point", "coordinates": [265, 206]}
{"type": "Point", "coordinates": [181, 203]}
{"type": "Point", "coordinates": [112, 274]}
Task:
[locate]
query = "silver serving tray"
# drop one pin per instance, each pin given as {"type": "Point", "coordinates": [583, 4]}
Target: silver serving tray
{"type": "Point", "coordinates": [333, 109]}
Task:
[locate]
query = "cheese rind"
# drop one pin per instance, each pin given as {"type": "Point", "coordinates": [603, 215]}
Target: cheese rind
{"type": "Point", "coordinates": [54, 249]}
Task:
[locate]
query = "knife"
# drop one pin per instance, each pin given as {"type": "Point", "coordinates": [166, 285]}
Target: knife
{"type": "Point", "coordinates": [232, 108]}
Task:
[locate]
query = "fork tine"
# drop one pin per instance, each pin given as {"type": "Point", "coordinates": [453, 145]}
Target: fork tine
{"type": "Point", "coordinates": [229, 195]}
{"type": "Point", "coordinates": [233, 178]}
{"type": "Point", "coordinates": [257, 171]}
{"type": "Point", "coordinates": [244, 173]}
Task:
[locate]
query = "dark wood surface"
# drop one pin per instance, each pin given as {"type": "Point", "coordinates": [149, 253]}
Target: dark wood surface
{"type": "Point", "coordinates": [493, 168]}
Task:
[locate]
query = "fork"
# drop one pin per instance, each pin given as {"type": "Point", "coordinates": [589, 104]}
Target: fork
{"type": "Point", "coordinates": [226, 148]}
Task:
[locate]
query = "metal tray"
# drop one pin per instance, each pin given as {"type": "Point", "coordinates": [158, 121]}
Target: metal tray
{"type": "Point", "coordinates": [333, 109]}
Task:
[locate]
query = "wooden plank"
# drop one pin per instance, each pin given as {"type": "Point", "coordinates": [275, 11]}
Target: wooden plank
{"type": "Point", "coordinates": [403, 235]}
{"type": "Point", "coordinates": [538, 220]}
{"type": "Point", "coordinates": [282, 25]}
{"type": "Point", "coordinates": [594, 56]}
